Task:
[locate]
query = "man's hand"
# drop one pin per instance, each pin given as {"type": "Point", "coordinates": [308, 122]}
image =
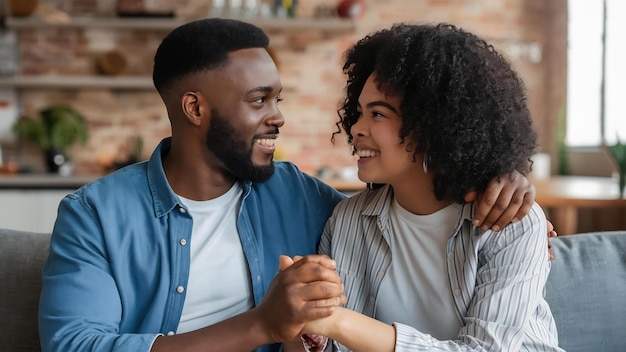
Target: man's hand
{"type": "Point", "coordinates": [304, 290]}
{"type": "Point", "coordinates": [551, 233]}
{"type": "Point", "coordinates": [506, 199]}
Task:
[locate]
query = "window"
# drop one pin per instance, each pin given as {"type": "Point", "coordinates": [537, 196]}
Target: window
{"type": "Point", "coordinates": [585, 72]}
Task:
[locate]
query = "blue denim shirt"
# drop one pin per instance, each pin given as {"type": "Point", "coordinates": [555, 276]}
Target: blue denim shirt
{"type": "Point", "coordinates": [120, 251]}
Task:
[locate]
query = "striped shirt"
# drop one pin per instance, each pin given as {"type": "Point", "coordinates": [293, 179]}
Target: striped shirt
{"type": "Point", "coordinates": [497, 279]}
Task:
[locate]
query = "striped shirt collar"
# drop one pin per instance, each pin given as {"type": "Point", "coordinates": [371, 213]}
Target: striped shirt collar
{"type": "Point", "coordinates": [379, 203]}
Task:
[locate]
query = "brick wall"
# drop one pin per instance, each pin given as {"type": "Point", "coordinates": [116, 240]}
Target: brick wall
{"type": "Point", "coordinates": [531, 32]}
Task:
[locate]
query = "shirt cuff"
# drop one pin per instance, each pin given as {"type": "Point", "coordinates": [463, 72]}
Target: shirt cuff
{"type": "Point", "coordinates": [314, 343]}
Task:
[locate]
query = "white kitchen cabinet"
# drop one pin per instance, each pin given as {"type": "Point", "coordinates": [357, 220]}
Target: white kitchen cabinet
{"type": "Point", "coordinates": [30, 209]}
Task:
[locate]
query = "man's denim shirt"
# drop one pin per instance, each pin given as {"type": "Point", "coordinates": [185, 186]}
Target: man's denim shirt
{"type": "Point", "coordinates": [120, 250]}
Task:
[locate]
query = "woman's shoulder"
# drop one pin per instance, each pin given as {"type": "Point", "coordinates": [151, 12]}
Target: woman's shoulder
{"type": "Point", "coordinates": [370, 201]}
{"type": "Point", "coordinates": [530, 228]}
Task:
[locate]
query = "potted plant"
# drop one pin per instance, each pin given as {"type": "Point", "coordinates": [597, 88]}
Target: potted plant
{"type": "Point", "coordinates": [618, 154]}
{"type": "Point", "coordinates": [55, 131]}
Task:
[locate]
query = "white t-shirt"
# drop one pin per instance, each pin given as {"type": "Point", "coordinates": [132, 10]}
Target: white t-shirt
{"type": "Point", "coordinates": [219, 284]}
{"type": "Point", "coordinates": [416, 289]}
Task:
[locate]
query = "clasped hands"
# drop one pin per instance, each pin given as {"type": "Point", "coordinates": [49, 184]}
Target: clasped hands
{"type": "Point", "coordinates": [306, 289]}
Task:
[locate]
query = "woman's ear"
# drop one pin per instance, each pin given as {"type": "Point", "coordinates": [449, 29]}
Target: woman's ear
{"type": "Point", "coordinates": [192, 108]}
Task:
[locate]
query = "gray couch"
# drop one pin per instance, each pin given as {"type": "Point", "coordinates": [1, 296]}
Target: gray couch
{"type": "Point", "coordinates": [21, 257]}
{"type": "Point", "coordinates": [586, 290]}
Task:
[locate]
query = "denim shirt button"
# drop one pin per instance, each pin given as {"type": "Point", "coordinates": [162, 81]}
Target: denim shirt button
{"type": "Point", "coordinates": [182, 210]}
{"type": "Point", "coordinates": [180, 289]}
{"type": "Point", "coordinates": [183, 242]}
{"type": "Point", "coordinates": [170, 333]}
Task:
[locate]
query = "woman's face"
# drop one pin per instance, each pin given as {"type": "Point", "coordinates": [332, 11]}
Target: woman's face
{"type": "Point", "coordinates": [383, 156]}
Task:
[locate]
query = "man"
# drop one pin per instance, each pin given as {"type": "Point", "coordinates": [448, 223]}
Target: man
{"type": "Point", "coordinates": [181, 252]}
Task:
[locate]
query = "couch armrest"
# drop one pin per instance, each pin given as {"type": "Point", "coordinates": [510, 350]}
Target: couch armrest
{"type": "Point", "coordinates": [22, 255]}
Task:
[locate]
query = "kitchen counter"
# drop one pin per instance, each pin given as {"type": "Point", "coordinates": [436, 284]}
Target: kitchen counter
{"type": "Point", "coordinates": [50, 181]}
{"type": "Point", "coordinates": [30, 201]}
{"type": "Point", "coordinates": [44, 181]}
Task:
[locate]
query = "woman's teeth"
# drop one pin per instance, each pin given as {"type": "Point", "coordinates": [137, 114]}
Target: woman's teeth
{"type": "Point", "coordinates": [366, 153]}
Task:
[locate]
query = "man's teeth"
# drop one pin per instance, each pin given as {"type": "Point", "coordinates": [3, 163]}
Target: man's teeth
{"type": "Point", "coordinates": [367, 153]}
{"type": "Point", "coordinates": [266, 142]}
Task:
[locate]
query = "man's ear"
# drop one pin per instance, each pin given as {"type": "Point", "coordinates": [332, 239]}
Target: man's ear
{"type": "Point", "coordinates": [192, 109]}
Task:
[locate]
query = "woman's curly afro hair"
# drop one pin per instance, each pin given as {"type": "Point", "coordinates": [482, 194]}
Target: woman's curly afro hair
{"type": "Point", "coordinates": [462, 103]}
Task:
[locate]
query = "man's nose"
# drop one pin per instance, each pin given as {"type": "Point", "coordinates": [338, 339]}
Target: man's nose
{"type": "Point", "coordinates": [276, 118]}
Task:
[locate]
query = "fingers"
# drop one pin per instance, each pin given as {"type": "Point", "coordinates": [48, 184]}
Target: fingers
{"type": "Point", "coordinates": [322, 260]}
{"type": "Point", "coordinates": [551, 230]}
{"type": "Point", "coordinates": [517, 205]}
{"type": "Point", "coordinates": [311, 263]}
{"type": "Point", "coordinates": [549, 225]}
{"type": "Point", "coordinates": [284, 262]}
{"type": "Point", "coordinates": [314, 282]}
{"type": "Point", "coordinates": [506, 199]}
{"type": "Point", "coordinates": [329, 302]}
{"type": "Point", "coordinates": [489, 206]}
{"type": "Point", "coordinates": [527, 201]}
{"type": "Point", "coordinates": [471, 196]}
{"type": "Point", "coordinates": [550, 251]}
{"type": "Point", "coordinates": [551, 233]}
{"type": "Point", "coordinates": [326, 292]}
{"type": "Point", "coordinates": [305, 288]}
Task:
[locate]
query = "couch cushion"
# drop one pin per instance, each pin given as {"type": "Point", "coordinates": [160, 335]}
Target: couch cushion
{"type": "Point", "coordinates": [586, 291]}
{"type": "Point", "coordinates": [21, 259]}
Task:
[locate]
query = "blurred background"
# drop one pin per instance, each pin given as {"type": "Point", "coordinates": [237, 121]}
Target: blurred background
{"type": "Point", "coordinates": [89, 62]}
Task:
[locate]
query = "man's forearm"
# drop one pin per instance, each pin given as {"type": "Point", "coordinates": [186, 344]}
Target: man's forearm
{"type": "Point", "coordinates": [243, 332]}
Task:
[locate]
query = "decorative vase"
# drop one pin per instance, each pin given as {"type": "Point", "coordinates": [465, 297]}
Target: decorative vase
{"type": "Point", "coordinates": [54, 160]}
{"type": "Point", "coordinates": [22, 8]}
{"type": "Point", "coordinates": [352, 9]}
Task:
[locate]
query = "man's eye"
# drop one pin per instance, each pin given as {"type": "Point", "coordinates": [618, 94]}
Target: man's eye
{"type": "Point", "coordinates": [259, 100]}
{"type": "Point", "coordinates": [279, 99]}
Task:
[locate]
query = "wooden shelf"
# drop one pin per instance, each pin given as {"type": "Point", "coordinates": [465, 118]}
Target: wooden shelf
{"type": "Point", "coordinates": [78, 82]}
{"type": "Point", "coordinates": [166, 24]}
{"type": "Point", "coordinates": [329, 25]}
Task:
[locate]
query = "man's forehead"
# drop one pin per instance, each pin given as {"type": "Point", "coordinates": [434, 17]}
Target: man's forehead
{"type": "Point", "coordinates": [248, 56]}
{"type": "Point", "coordinates": [244, 71]}
{"type": "Point", "coordinates": [252, 65]}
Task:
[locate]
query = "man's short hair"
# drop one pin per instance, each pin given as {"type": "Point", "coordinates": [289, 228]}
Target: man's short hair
{"type": "Point", "coordinates": [202, 45]}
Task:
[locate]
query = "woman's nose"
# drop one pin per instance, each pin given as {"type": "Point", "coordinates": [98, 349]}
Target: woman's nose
{"type": "Point", "coordinates": [358, 128]}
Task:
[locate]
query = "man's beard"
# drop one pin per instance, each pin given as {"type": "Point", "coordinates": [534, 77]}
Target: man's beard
{"type": "Point", "coordinates": [234, 151]}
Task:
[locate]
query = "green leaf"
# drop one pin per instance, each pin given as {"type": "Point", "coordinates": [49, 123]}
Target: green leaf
{"type": "Point", "coordinates": [618, 152]}
{"type": "Point", "coordinates": [58, 127]}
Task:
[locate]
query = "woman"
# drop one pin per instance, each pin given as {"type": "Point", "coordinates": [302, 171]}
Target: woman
{"type": "Point", "coordinates": [434, 112]}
